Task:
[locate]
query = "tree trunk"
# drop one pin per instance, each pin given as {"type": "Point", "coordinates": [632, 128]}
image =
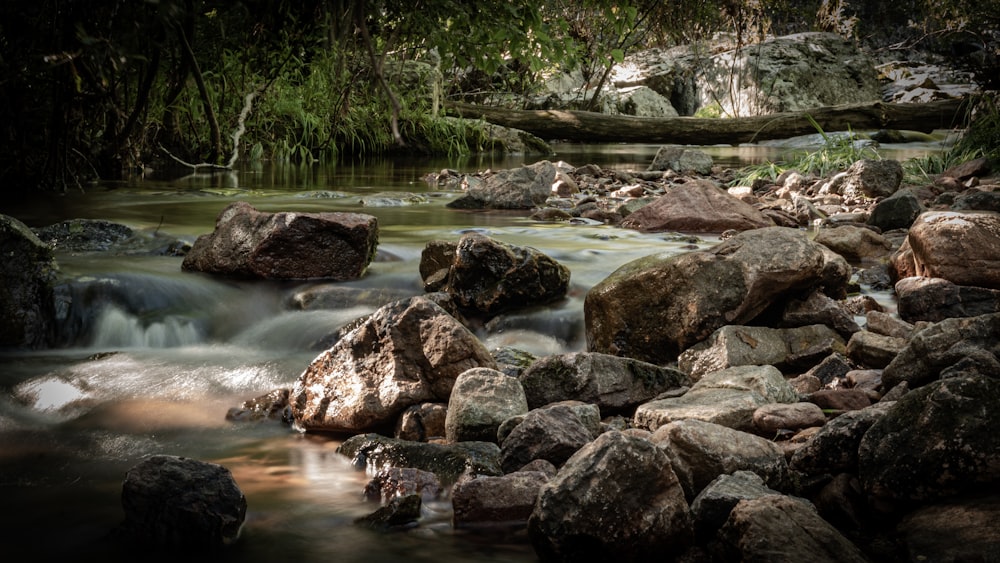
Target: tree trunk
{"type": "Point", "coordinates": [597, 127]}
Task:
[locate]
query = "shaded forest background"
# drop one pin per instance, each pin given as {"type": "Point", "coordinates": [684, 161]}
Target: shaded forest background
{"type": "Point", "coordinates": [103, 89]}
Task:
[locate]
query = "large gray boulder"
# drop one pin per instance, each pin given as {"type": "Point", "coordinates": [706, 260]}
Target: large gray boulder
{"type": "Point", "coordinates": [249, 243]}
{"type": "Point", "coordinates": [834, 448]}
{"type": "Point", "coordinates": [405, 353]}
{"type": "Point", "coordinates": [952, 345]}
{"type": "Point", "coordinates": [783, 529]}
{"type": "Point", "coordinates": [701, 451]}
{"type": "Point", "coordinates": [935, 442]}
{"type": "Point", "coordinates": [962, 247]}
{"type": "Point", "coordinates": [526, 187]}
{"type": "Point", "coordinates": [653, 308]}
{"type": "Point", "coordinates": [481, 399]}
{"type": "Point", "coordinates": [616, 385]}
{"type": "Point", "coordinates": [27, 309]}
{"type": "Point", "coordinates": [617, 499]}
{"type": "Point", "coordinates": [867, 178]}
{"type": "Point", "coordinates": [726, 397]}
{"type": "Point", "coordinates": [181, 504]}
{"type": "Point", "coordinates": [490, 276]}
{"type": "Point", "coordinates": [712, 506]}
{"type": "Point", "coordinates": [698, 206]}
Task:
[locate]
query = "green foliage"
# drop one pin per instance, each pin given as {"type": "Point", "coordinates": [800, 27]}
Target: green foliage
{"type": "Point", "coordinates": [980, 139]}
{"type": "Point", "coordinates": [837, 153]}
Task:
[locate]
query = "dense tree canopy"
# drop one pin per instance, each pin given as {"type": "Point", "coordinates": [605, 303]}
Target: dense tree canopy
{"type": "Point", "coordinates": [102, 88]}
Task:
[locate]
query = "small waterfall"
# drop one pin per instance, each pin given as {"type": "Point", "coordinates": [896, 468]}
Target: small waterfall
{"type": "Point", "coordinates": [115, 328]}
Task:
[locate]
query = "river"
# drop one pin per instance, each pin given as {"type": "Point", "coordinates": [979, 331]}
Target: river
{"type": "Point", "coordinates": [158, 356]}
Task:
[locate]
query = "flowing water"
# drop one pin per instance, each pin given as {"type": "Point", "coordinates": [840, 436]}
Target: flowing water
{"type": "Point", "coordinates": [153, 357]}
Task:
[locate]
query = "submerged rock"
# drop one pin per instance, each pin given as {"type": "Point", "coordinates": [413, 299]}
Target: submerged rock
{"type": "Point", "coordinates": [372, 452]}
{"type": "Point", "coordinates": [181, 504]}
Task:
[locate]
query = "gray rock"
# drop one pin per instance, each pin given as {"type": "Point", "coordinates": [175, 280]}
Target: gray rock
{"type": "Point", "coordinates": [712, 506]}
{"type": "Point", "coordinates": [481, 399]}
{"type": "Point", "coordinates": [399, 512]}
{"type": "Point", "coordinates": [373, 453]}
{"type": "Point", "coordinates": [959, 530]}
{"type": "Point", "coordinates": [614, 384]}
{"type": "Point", "coordinates": [886, 324]}
{"type": "Point", "coordinates": [616, 499]}
{"type": "Point", "coordinates": [270, 406]}
{"type": "Point", "coordinates": [788, 349]}
{"type": "Point", "coordinates": [405, 353]}
{"type": "Point", "coordinates": [855, 244]}
{"type": "Point", "coordinates": [505, 500]}
{"type": "Point", "coordinates": [642, 101]}
{"type": "Point", "coordinates": [518, 188]}
{"type": "Point", "coordinates": [727, 397]}
{"type": "Point", "coordinates": [959, 344]}
{"type": "Point", "coordinates": [935, 442]}
{"type": "Point", "coordinates": [783, 529]}
{"type": "Point", "coordinates": [84, 235]}
{"type": "Point", "coordinates": [832, 368]}
{"type": "Point", "coordinates": [27, 307]}
{"type": "Point", "coordinates": [873, 350]}
{"type": "Point", "coordinates": [872, 178]}
{"type": "Point", "coordinates": [834, 449]}
{"type": "Point", "coordinates": [553, 433]}
{"type": "Point", "coordinates": [897, 211]}
{"type": "Point", "coordinates": [652, 308]}
{"type": "Point", "coordinates": [819, 308]}
{"type": "Point", "coordinates": [977, 200]}
{"type": "Point", "coordinates": [698, 206]}
{"type": "Point", "coordinates": [682, 160]}
{"type": "Point", "coordinates": [937, 299]}
{"type": "Point", "coordinates": [701, 451]}
{"type": "Point", "coordinates": [181, 504]}
{"type": "Point", "coordinates": [248, 243]}
{"type": "Point", "coordinates": [491, 276]}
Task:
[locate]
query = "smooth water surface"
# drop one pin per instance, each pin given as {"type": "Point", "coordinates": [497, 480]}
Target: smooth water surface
{"type": "Point", "coordinates": [153, 357]}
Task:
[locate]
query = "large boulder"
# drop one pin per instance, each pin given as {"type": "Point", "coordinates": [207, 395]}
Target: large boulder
{"type": "Point", "coordinates": [526, 187]}
{"type": "Point", "coordinates": [834, 448]}
{"type": "Point", "coordinates": [181, 504]}
{"type": "Point", "coordinates": [868, 178]}
{"type": "Point", "coordinates": [698, 206]}
{"type": "Point", "coordinates": [959, 530]}
{"type": "Point", "coordinates": [405, 353]}
{"type": "Point", "coordinates": [935, 442]}
{"type": "Point", "coordinates": [481, 399]}
{"type": "Point", "coordinates": [855, 244]}
{"type": "Point", "coordinates": [653, 308]}
{"type": "Point", "coordinates": [27, 308]}
{"type": "Point", "coordinates": [946, 347]}
{"type": "Point", "coordinates": [962, 247]}
{"type": "Point", "coordinates": [788, 349]}
{"type": "Point", "coordinates": [249, 243]}
{"type": "Point", "coordinates": [897, 211]}
{"type": "Point", "coordinates": [617, 499]}
{"type": "Point", "coordinates": [726, 397]}
{"type": "Point", "coordinates": [491, 276]}
{"type": "Point", "coordinates": [701, 451]}
{"type": "Point", "coordinates": [374, 453]}
{"type": "Point", "coordinates": [712, 506]}
{"type": "Point", "coordinates": [783, 529]}
{"type": "Point", "coordinates": [616, 385]}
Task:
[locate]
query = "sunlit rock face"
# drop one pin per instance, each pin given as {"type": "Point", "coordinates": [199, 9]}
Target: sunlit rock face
{"type": "Point", "coordinates": [789, 73]}
{"type": "Point", "coordinates": [962, 247]}
{"type": "Point", "coordinates": [405, 353]}
{"type": "Point", "coordinates": [249, 243]}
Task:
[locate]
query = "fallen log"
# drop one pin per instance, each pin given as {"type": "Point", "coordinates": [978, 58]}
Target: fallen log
{"type": "Point", "coordinates": [598, 127]}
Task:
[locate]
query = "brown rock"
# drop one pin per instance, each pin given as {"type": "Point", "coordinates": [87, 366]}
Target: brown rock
{"type": "Point", "coordinates": [696, 207]}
